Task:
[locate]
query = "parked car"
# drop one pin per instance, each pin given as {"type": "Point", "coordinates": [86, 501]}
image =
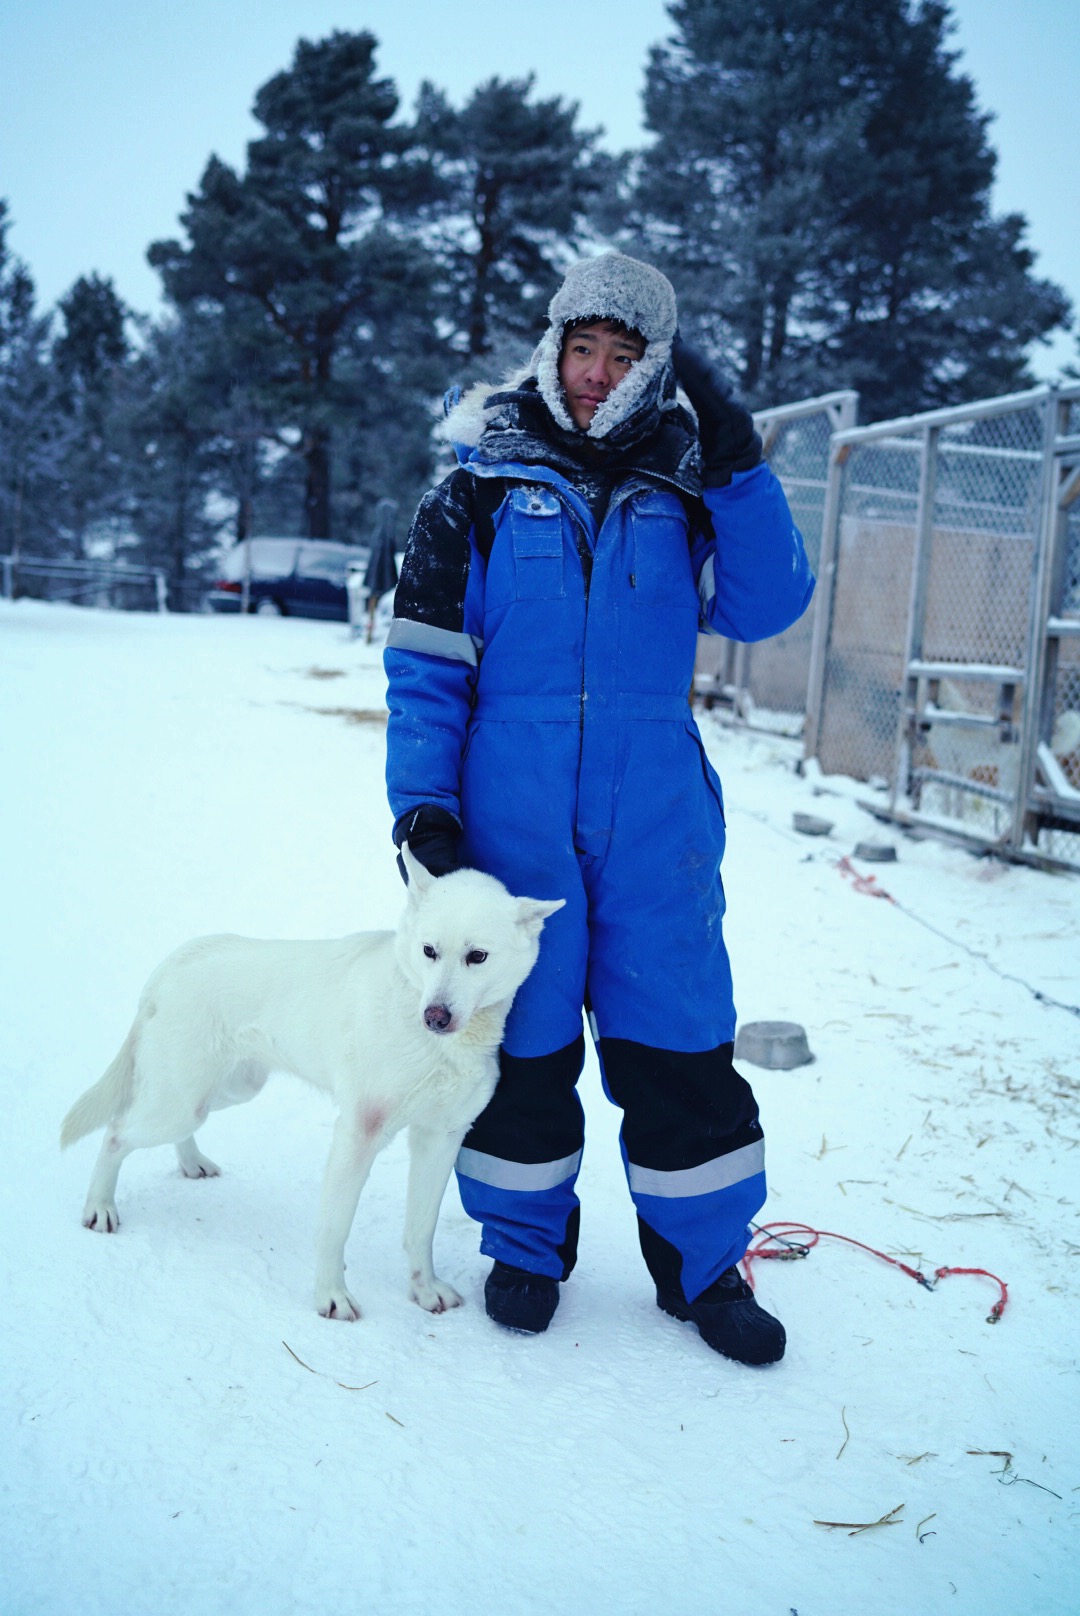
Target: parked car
{"type": "Point", "coordinates": [287, 578]}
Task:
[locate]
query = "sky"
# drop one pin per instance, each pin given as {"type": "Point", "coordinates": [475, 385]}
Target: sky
{"type": "Point", "coordinates": [109, 112]}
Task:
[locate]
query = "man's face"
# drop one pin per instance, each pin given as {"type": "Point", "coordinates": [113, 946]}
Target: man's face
{"type": "Point", "coordinates": [595, 357]}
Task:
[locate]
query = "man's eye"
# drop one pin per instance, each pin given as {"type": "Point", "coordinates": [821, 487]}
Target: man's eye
{"type": "Point", "coordinates": [475, 956]}
{"type": "Point", "coordinates": [429, 952]}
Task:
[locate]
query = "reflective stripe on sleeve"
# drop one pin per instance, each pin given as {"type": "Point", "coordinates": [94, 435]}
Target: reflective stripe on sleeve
{"type": "Point", "coordinates": [718, 1174]}
{"type": "Point", "coordinates": [407, 635]}
{"type": "Point", "coordinates": [510, 1175]}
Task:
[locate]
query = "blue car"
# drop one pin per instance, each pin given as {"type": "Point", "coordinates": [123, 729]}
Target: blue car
{"type": "Point", "coordinates": [286, 578]}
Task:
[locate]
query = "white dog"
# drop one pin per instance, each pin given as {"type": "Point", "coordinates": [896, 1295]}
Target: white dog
{"type": "Point", "coordinates": [400, 1027]}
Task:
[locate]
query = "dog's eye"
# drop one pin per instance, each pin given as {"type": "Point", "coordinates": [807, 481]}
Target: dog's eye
{"type": "Point", "coordinates": [475, 956]}
{"type": "Point", "coordinates": [429, 952]}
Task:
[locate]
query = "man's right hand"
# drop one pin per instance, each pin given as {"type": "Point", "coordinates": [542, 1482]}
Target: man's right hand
{"type": "Point", "coordinates": [433, 835]}
{"type": "Point", "coordinates": [729, 442]}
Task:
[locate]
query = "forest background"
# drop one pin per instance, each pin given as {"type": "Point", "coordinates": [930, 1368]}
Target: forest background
{"type": "Point", "coordinates": [816, 179]}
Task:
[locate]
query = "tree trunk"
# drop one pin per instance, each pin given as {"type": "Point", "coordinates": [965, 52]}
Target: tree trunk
{"type": "Point", "coordinates": [245, 501]}
{"type": "Point", "coordinates": [317, 486]}
{"type": "Point", "coordinates": [180, 523]}
{"type": "Point", "coordinates": [754, 337]}
{"type": "Point", "coordinates": [244, 508]}
{"type": "Point", "coordinates": [479, 340]}
{"type": "Point", "coordinates": [16, 525]}
{"type": "Point", "coordinates": [778, 332]}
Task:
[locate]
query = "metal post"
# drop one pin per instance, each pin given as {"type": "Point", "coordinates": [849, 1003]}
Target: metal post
{"type": "Point", "coordinates": [245, 586]}
{"type": "Point", "coordinates": [1038, 614]}
{"type": "Point", "coordinates": [920, 572]}
{"type": "Point", "coordinates": [823, 597]}
{"type": "Point", "coordinates": [844, 410]}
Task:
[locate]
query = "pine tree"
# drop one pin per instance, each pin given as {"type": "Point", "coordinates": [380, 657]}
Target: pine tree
{"type": "Point", "coordinates": [171, 474]}
{"type": "Point", "coordinates": [306, 242]}
{"type": "Point", "coordinates": [820, 185]}
{"type": "Point", "coordinates": [88, 358]}
{"type": "Point", "coordinates": [28, 449]}
{"type": "Point", "coordinates": [515, 178]}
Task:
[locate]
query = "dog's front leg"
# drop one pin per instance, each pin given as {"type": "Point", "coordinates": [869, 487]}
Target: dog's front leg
{"type": "Point", "coordinates": [431, 1156]}
{"type": "Point", "coordinates": [351, 1155]}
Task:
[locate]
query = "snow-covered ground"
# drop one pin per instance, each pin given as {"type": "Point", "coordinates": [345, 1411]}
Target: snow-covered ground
{"type": "Point", "coordinates": [184, 1434]}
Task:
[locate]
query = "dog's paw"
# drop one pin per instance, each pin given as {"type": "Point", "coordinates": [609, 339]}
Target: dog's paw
{"type": "Point", "coordinates": [101, 1216]}
{"type": "Point", "coordinates": [338, 1304]}
{"type": "Point", "coordinates": [199, 1166]}
{"type": "Point", "coordinates": [434, 1295]}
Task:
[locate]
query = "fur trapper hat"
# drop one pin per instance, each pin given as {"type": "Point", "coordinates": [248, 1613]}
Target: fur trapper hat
{"type": "Point", "coordinates": [609, 287]}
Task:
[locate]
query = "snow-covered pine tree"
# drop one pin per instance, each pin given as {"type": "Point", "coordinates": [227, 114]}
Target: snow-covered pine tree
{"type": "Point", "coordinates": [306, 242]}
{"type": "Point", "coordinates": [28, 435]}
{"type": "Point", "coordinates": [819, 189]}
{"type": "Point", "coordinates": [89, 357]}
{"type": "Point", "coordinates": [515, 179]}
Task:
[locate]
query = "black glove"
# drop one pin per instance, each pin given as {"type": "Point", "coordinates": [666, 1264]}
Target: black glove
{"type": "Point", "coordinates": [728, 440]}
{"type": "Point", "coordinates": [432, 834]}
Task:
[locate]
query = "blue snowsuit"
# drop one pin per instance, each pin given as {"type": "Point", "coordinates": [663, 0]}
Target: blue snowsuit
{"type": "Point", "coordinates": [545, 704]}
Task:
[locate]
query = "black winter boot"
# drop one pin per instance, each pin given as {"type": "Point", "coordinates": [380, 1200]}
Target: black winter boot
{"type": "Point", "coordinates": [519, 1300]}
{"type": "Point", "coordinates": [729, 1320]}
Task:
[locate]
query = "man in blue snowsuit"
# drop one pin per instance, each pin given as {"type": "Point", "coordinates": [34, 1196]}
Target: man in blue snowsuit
{"type": "Point", "coordinates": [539, 668]}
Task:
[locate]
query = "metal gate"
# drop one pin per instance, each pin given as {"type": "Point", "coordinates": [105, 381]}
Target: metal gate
{"type": "Point", "coordinates": [770, 679]}
{"type": "Point", "coordinates": [945, 662]}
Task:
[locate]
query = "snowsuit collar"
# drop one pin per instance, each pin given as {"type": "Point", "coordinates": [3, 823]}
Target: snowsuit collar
{"type": "Point", "coordinates": [658, 439]}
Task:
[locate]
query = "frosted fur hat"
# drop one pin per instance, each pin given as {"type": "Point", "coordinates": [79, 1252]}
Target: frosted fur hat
{"type": "Point", "coordinates": [610, 287]}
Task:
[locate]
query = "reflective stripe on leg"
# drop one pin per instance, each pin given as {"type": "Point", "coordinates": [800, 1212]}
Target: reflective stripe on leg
{"type": "Point", "coordinates": [511, 1175]}
{"type": "Point", "coordinates": [719, 1174]}
{"type": "Point", "coordinates": [688, 1241]}
{"type": "Point", "coordinates": [519, 1162]}
{"type": "Point", "coordinates": [694, 1156]}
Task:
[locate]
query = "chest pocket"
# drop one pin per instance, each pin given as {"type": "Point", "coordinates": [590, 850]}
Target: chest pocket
{"type": "Point", "coordinates": [661, 548]}
{"type": "Point", "coordinates": [535, 522]}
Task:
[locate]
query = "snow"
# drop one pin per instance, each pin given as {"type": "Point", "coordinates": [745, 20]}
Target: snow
{"type": "Point", "coordinates": [165, 1452]}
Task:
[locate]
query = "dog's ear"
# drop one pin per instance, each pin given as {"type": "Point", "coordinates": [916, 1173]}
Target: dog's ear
{"type": "Point", "coordinates": [419, 876]}
{"type": "Point", "coordinates": [532, 912]}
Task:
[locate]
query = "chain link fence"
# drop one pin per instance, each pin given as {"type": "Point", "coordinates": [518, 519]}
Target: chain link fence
{"type": "Point", "coordinates": [1058, 761]}
{"type": "Point", "coordinates": [765, 684]}
{"type": "Point", "coordinates": [946, 655]}
{"type": "Point", "coordinates": [112, 585]}
{"type": "Point", "coordinates": [871, 567]}
{"type": "Point", "coordinates": [84, 583]}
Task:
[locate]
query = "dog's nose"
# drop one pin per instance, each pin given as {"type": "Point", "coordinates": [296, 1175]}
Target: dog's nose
{"type": "Point", "coordinates": [437, 1018]}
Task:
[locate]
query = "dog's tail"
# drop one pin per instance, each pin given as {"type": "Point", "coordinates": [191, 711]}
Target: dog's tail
{"type": "Point", "coordinates": [106, 1099]}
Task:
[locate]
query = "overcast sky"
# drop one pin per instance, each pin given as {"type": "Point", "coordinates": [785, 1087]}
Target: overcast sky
{"type": "Point", "coordinates": [108, 111]}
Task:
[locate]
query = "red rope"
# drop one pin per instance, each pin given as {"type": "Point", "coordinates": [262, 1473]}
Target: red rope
{"type": "Point", "coordinates": [863, 883]}
{"type": "Point", "coordinates": [781, 1240]}
{"type": "Point", "coordinates": [999, 1306]}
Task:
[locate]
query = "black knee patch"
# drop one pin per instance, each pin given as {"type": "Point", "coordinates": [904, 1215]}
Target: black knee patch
{"type": "Point", "coordinates": [680, 1109]}
{"type": "Point", "coordinates": [534, 1114]}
